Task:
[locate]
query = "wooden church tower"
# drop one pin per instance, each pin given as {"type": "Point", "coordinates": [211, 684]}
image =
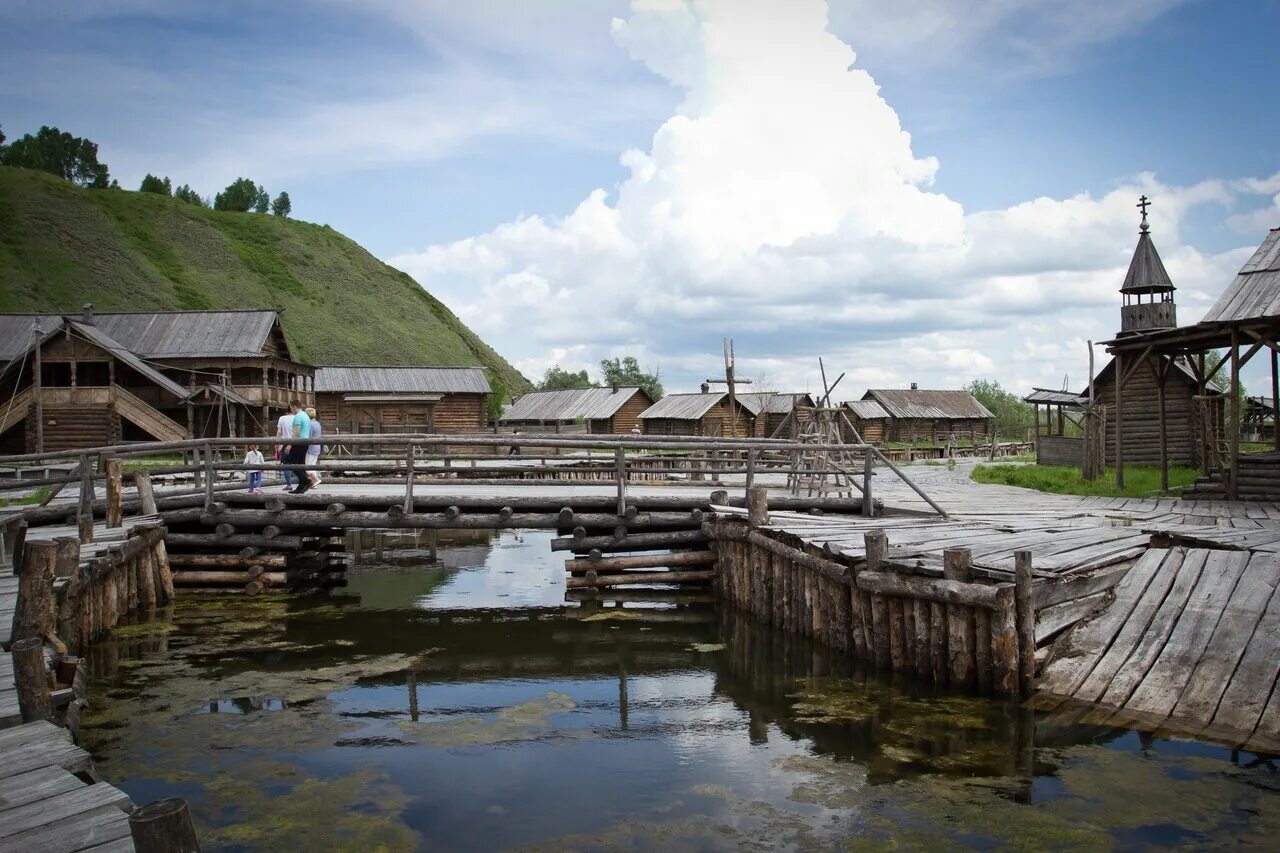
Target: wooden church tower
{"type": "Point", "coordinates": [1147, 292]}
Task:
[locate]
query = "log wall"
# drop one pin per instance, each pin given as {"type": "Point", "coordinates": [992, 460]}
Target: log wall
{"type": "Point", "coordinates": [1142, 417]}
{"type": "Point", "coordinates": [950, 632]}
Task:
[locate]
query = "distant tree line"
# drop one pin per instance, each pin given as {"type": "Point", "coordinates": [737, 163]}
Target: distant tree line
{"type": "Point", "coordinates": [76, 160]}
{"type": "Point", "coordinates": [620, 372]}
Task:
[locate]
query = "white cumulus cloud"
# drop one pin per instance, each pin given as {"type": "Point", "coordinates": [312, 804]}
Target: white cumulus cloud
{"type": "Point", "coordinates": [783, 204]}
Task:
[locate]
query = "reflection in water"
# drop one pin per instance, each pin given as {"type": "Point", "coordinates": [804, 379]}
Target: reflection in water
{"type": "Point", "coordinates": [462, 705]}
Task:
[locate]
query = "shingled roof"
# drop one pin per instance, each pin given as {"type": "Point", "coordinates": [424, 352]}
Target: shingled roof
{"type": "Point", "coordinates": [568, 405]}
{"type": "Point", "coordinates": [1255, 291]}
{"type": "Point", "coordinates": [957, 405]}
{"type": "Point", "coordinates": [773, 403]}
{"type": "Point", "coordinates": [684, 407]}
{"type": "Point", "coordinates": [387, 379]}
{"type": "Point", "coordinates": [1146, 271]}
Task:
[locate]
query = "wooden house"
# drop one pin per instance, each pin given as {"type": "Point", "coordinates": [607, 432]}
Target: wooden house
{"type": "Point", "coordinates": [706, 414]}
{"type": "Point", "coordinates": [234, 370]}
{"type": "Point", "coordinates": [915, 415]}
{"type": "Point", "coordinates": [599, 411]}
{"type": "Point", "coordinates": [389, 399]}
{"type": "Point", "coordinates": [866, 416]}
{"type": "Point", "coordinates": [772, 410]}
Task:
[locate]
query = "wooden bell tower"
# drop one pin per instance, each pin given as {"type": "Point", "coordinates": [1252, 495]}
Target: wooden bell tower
{"type": "Point", "coordinates": [1147, 291]}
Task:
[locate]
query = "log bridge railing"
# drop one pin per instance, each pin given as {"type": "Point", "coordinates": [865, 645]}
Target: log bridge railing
{"type": "Point", "coordinates": [417, 458]}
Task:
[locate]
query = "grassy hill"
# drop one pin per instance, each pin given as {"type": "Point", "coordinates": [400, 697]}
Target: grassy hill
{"type": "Point", "coordinates": [61, 246]}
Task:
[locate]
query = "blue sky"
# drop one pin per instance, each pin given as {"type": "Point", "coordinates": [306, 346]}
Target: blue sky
{"type": "Point", "coordinates": [481, 147]}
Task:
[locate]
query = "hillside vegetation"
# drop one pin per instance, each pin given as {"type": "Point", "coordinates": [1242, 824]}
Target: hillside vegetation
{"type": "Point", "coordinates": [61, 246]}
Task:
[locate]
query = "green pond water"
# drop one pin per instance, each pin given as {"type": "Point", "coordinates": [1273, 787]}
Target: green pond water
{"type": "Point", "coordinates": [462, 705]}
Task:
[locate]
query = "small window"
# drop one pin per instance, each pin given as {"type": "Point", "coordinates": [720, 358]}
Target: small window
{"type": "Point", "coordinates": [95, 373]}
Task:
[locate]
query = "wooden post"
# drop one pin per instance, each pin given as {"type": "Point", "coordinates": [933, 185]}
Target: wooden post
{"type": "Point", "coordinates": [1162, 374]}
{"type": "Point", "coordinates": [751, 468]}
{"type": "Point", "coordinates": [868, 503]}
{"type": "Point", "coordinates": [32, 679]}
{"type": "Point", "coordinates": [1119, 423]}
{"type": "Point", "coordinates": [37, 382]}
{"type": "Point", "coordinates": [408, 477]}
{"type": "Point", "coordinates": [1035, 408]}
{"type": "Point", "coordinates": [620, 463]}
{"type": "Point", "coordinates": [84, 516]}
{"type": "Point", "coordinates": [1025, 620]}
{"type": "Point", "coordinates": [1004, 644]}
{"type": "Point", "coordinates": [17, 547]}
{"type": "Point", "coordinates": [1233, 483]}
{"type": "Point", "coordinates": [33, 616]}
{"type": "Point", "coordinates": [115, 492]}
{"type": "Point", "coordinates": [957, 565]}
{"type": "Point", "coordinates": [874, 608]}
{"type": "Point", "coordinates": [209, 477]}
{"type": "Point", "coordinates": [66, 556]}
{"type": "Point", "coordinates": [758, 506]}
{"type": "Point", "coordinates": [163, 826]}
{"type": "Point", "coordinates": [1275, 398]}
{"type": "Point", "coordinates": [146, 493]}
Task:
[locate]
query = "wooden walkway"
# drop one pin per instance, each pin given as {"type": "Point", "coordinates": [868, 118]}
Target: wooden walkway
{"type": "Point", "coordinates": [44, 806]}
{"type": "Point", "coordinates": [1188, 645]}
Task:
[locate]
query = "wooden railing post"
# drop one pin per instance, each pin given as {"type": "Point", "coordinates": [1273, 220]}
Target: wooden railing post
{"type": "Point", "coordinates": [620, 463]}
{"type": "Point", "coordinates": [758, 506]}
{"type": "Point", "coordinates": [33, 615]}
{"type": "Point", "coordinates": [84, 516]}
{"type": "Point", "coordinates": [408, 477]}
{"type": "Point", "coordinates": [115, 492]}
{"type": "Point", "coordinates": [751, 468]}
{"type": "Point", "coordinates": [32, 679]}
{"type": "Point", "coordinates": [957, 565]}
{"type": "Point", "coordinates": [146, 493]}
{"type": "Point", "coordinates": [868, 503]}
{"type": "Point", "coordinates": [1025, 619]}
{"type": "Point", "coordinates": [209, 477]}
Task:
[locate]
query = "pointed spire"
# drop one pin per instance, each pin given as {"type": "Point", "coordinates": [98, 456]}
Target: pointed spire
{"type": "Point", "coordinates": [1146, 271]}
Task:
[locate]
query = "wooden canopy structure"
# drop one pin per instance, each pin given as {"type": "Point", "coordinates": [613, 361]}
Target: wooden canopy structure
{"type": "Point", "coordinates": [1053, 445]}
{"type": "Point", "coordinates": [1245, 321]}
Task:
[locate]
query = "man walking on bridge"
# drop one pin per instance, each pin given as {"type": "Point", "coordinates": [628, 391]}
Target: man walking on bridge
{"type": "Point", "coordinates": [300, 428]}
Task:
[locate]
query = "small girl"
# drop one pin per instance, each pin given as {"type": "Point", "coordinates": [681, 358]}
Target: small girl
{"type": "Point", "coordinates": [254, 457]}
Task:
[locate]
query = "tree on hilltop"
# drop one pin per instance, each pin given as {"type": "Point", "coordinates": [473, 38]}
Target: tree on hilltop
{"type": "Point", "coordinates": [190, 196]}
{"type": "Point", "coordinates": [152, 184]}
{"type": "Point", "coordinates": [281, 206]}
{"type": "Point", "coordinates": [261, 201]}
{"type": "Point", "coordinates": [241, 196]}
{"type": "Point", "coordinates": [626, 372]}
{"type": "Point", "coordinates": [58, 153]}
{"type": "Point", "coordinates": [558, 379]}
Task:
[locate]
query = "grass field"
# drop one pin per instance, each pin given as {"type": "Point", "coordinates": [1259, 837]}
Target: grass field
{"type": "Point", "coordinates": [61, 247]}
{"type": "Point", "coordinates": [1063, 480]}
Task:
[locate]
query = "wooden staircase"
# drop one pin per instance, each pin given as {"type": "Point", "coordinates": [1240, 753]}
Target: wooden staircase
{"type": "Point", "coordinates": [13, 413]}
{"type": "Point", "coordinates": [1259, 480]}
{"type": "Point", "coordinates": [146, 417]}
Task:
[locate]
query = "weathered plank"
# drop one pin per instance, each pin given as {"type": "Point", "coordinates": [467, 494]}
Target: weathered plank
{"type": "Point", "coordinates": [1251, 685]}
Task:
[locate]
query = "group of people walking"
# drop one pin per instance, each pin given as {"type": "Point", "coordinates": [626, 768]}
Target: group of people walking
{"type": "Point", "coordinates": [296, 423]}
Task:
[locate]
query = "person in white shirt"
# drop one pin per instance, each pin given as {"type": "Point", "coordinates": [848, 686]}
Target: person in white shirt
{"type": "Point", "coordinates": [254, 457]}
{"type": "Point", "coordinates": [284, 429]}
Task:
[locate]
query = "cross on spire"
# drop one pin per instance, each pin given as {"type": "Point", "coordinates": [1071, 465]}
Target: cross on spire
{"type": "Point", "coordinates": [1143, 204]}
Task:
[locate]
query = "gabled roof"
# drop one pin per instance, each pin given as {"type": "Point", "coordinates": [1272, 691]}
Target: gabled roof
{"type": "Point", "coordinates": [1255, 291]}
{"type": "Point", "coordinates": [163, 334]}
{"type": "Point", "coordinates": [570, 404]}
{"type": "Point", "coordinates": [53, 326]}
{"type": "Point", "coordinates": [1146, 271]}
{"type": "Point", "coordinates": [866, 410]}
{"type": "Point", "coordinates": [928, 404]}
{"type": "Point", "coordinates": [684, 407]}
{"type": "Point", "coordinates": [773, 403]}
{"type": "Point", "coordinates": [16, 332]}
{"type": "Point", "coordinates": [388, 379]}
{"type": "Point", "coordinates": [193, 334]}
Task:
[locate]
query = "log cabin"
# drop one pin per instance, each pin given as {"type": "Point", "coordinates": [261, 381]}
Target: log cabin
{"type": "Point", "coordinates": [773, 410]}
{"type": "Point", "coordinates": [866, 416]}
{"type": "Point", "coordinates": [134, 376]}
{"type": "Point", "coordinates": [598, 411]}
{"type": "Point", "coordinates": [391, 399]}
{"type": "Point", "coordinates": [704, 414]}
{"type": "Point", "coordinates": [916, 415]}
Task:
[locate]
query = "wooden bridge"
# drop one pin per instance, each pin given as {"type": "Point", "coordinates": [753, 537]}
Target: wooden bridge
{"type": "Point", "coordinates": [1150, 612]}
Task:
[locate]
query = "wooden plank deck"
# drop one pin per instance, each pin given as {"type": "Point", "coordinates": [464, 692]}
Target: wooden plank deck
{"type": "Point", "coordinates": [44, 807]}
{"type": "Point", "coordinates": [1188, 645]}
